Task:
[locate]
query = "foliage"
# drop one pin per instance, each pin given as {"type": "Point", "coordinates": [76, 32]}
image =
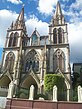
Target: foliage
{"type": "Point", "coordinates": [76, 80]}
{"type": "Point", "coordinates": [75, 95]}
{"type": "Point", "coordinates": [22, 91]}
{"type": "Point", "coordinates": [53, 79]}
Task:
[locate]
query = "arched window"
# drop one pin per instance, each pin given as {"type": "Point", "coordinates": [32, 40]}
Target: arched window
{"type": "Point", "coordinates": [58, 61]}
{"type": "Point", "coordinates": [32, 62]}
{"type": "Point", "coordinates": [15, 39]}
{"type": "Point", "coordinates": [60, 35]}
{"type": "Point", "coordinates": [9, 62]}
{"type": "Point", "coordinates": [55, 36]}
{"type": "Point", "coordinates": [11, 40]}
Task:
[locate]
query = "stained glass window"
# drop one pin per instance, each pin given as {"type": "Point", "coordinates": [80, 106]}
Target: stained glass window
{"type": "Point", "coordinates": [32, 61]}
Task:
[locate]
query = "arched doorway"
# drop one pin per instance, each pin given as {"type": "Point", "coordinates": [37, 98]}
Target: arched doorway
{"type": "Point", "coordinates": [25, 87]}
{"type": "Point", "coordinates": [4, 85]}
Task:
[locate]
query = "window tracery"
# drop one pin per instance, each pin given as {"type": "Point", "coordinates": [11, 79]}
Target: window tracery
{"type": "Point", "coordinates": [58, 35]}
{"type": "Point", "coordinates": [32, 61]}
{"type": "Point", "coordinates": [58, 61]}
{"type": "Point", "coordinates": [9, 62]}
{"type": "Point", "coordinates": [13, 39]}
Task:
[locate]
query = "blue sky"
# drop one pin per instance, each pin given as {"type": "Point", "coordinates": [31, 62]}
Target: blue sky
{"type": "Point", "coordinates": [38, 14]}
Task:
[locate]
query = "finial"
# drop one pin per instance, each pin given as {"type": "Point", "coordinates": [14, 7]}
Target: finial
{"type": "Point", "coordinates": [23, 5]}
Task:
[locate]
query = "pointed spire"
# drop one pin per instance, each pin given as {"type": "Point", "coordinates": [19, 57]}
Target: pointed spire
{"type": "Point", "coordinates": [21, 15]}
{"type": "Point", "coordinates": [58, 9]}
{"type": "Point", "coordinates": [20, 22]}
{"type": "Point", "coordinates": [58, 17]}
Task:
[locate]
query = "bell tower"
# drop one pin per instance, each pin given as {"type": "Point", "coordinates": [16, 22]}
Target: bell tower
{"type": "Point", "coordinates": [58, 38]}
{"type": "Point", "coordinates": [12, 51]}
{"type": "Point", "coordinates": [58, 33]}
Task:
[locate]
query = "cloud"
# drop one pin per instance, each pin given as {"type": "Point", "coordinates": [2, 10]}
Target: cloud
{"type": "Point", "coordinates": [6, 17]}
{"type": "Point", "coordinates": [74, 27]}
{"type": "Point", "coordinates": [33, 22]}
{"type": "Point", "coordinates": [77, 4]}
{"type": "Point", "coordinates": [65, 0]}
{"type": "Point", "coordinates": [15, 1]}
{"type": "Point", "coordinates": [46, 6]}
{"type": "Point", "coordinates": [75, 36]}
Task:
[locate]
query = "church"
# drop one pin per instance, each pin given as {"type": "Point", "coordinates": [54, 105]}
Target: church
{"type": "Point", "coordinates": [27, 59]}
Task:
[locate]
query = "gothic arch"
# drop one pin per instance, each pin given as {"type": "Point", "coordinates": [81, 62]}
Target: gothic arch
{"type": "Point", "coordinates": [11, 40]}
{"type": "Point", "coordinates": [58, 61]}
{"type": "Point", "coordinates": [32, 61]}
{"type": "Point", "coordinates": [30, 79]}
{"type": "Point", "coordinates": [55, 36]}
{"type": "Point", "coordinates": [60, 35]}
{"type": "Point", "coordinates": [4, 81]}
{"type": "Point", "coordinates": [15, 40]}
{"type": "Point", "coordinates": [9, 62]}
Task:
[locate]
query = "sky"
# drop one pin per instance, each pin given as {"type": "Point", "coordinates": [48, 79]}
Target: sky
{"type": "Point", "coordinates": [38, 14]}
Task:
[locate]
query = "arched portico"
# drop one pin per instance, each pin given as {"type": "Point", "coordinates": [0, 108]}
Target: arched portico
{"type": "Point", "coordinates": [4, 85]}
{"type": "Point", "coordinates": [4, 81]}
{"type": "Point", "coordinates": [30, 79]}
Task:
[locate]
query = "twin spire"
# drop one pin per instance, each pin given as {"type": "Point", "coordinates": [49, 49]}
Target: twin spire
{"type": "Point", "coordinates": [20, 23]}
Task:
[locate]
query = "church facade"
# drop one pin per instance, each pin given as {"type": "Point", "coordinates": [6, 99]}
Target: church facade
{"type": "Point", "coordinates": [26, 59]}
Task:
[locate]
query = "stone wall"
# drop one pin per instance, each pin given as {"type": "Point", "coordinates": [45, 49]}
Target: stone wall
{"type": "Point", "coordinates": [33, 104]}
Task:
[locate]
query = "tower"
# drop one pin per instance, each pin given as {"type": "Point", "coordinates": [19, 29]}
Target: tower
{"type": "Point", "coordinates": [60, 53]}
{"type": "Point", "coordinates": [27, 59]}
{"type": "Point", "coordinates": [12, 51]}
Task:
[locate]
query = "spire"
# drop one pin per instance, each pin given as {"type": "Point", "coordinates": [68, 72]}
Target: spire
{"type": "Point", "coordinates": [58, 17]}
{"type": "Point", "coordinates": [21, 15]}
{"type": "Point", "coordinates": [58, 9]}
{"type": "Point", "coordinates": [20, 23]}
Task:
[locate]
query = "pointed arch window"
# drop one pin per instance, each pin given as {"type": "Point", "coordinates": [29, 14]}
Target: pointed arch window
{"type": "Point", "coordinates": [34, 39]}
{"type": "Point", "coordinates": [9, 62]}
{"type": "Point", "coordinates": [15, 39]}
{"type": "Point", "coordinates": [60, 35]}
{"type": "Point", "coordinates": [55, 36]}
{"type": "Point", "coordinates": [58, 61]}
{"type": "Point", "coordinates": [11, 40]}
{"type": "Point", "coordinates": [32, 62]}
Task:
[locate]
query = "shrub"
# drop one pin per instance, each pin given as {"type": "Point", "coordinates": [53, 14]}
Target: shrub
{"type": "Point", "coordinates": [54, 79]}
